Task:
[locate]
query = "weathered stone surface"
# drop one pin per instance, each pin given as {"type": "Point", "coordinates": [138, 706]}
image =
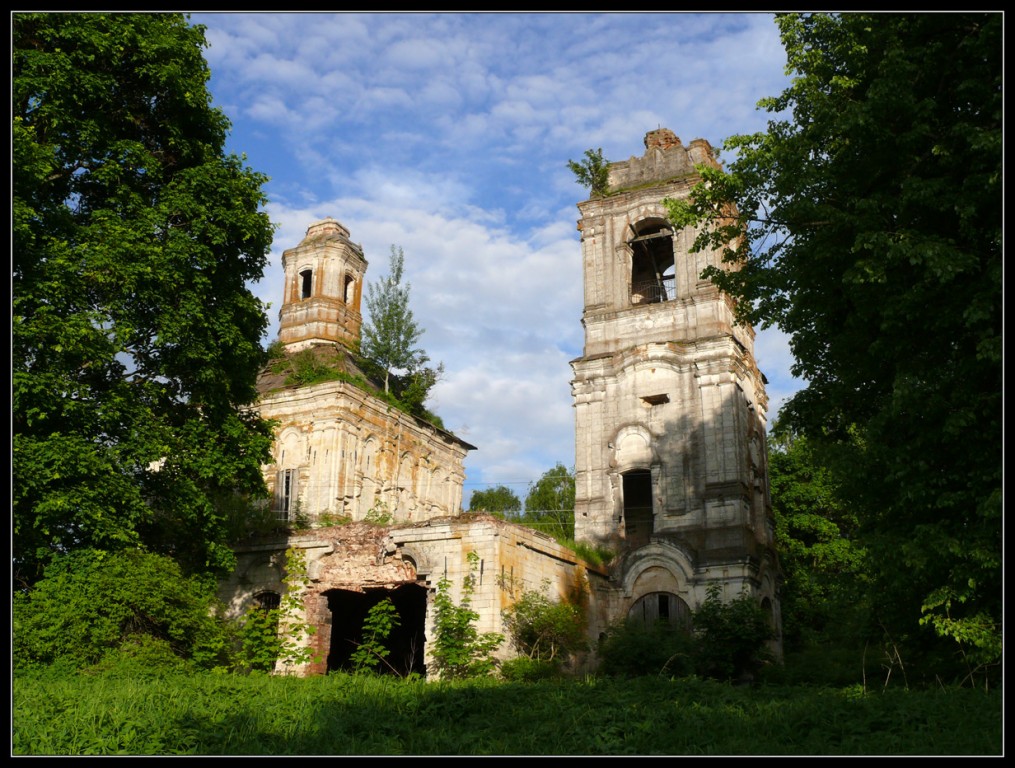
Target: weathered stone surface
{"type": "Point", "coordinates": [670, 446]}
{"type": "Point", "coordinates": [670, 406]}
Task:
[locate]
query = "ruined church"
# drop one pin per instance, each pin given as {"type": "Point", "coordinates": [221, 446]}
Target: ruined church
{"type": "Point", "coordinates": [670, 447]}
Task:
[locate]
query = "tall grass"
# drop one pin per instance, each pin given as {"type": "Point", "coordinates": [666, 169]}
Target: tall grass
{"type": "Point", "coordinates": [340, 714]}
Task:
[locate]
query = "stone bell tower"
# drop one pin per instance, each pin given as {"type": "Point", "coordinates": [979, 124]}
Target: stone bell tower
{"type": "Point", "coordinates": [670, 456]}
{"type": "Point", "coordinates": [323, 289]}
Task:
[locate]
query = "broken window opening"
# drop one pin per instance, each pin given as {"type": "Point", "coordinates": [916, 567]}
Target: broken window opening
{"type": "Point", "coordinates": [286, 492]}
{"type": "Point", "coordinates": [638, 512]}
{"type": "Point", "coordinates": [653, 276]}
{"type": "Point", "coordinates": [349, 291]}
{"type": "Point", "coordinates": [349, 609]}
{"type": "Point", "coordinates": [306, 282]}
{"type": "Point", "coordinates": [655, 399]}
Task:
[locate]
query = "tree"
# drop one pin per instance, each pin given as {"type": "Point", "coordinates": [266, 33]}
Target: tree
{"type": "Point", "coordinates": [135, 340]}
{"type": "Point", "coordinates": [549, 506]}
{"type": "Point", "coordinates": [459, 650]}
{"type": "Point", "coordinates": [824, 568]}
{"type": "Point", "coordinates": [500, 501]}
{"type": "Point", "coordinates": [730, 637]}
{"type": "Point", "coordinates": [866, 223]}
{"type": "Point", "coordinates": [592, 172]}
{"type": "Point", "coordinates": [378, 625]}
{"type": "Point", "coordinates": [94, 605]}
{"type": "Point", "coordinates": [391, 334]}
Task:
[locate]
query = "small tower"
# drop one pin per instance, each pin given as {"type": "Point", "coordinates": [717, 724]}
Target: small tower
{"type": "Point", "coordinates": [670, 460]}
{"type": "Point", "coordinates": [323, 289]}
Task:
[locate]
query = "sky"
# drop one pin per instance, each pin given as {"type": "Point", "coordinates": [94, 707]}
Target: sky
{"type": "Point", "coordinates": [448, 135]}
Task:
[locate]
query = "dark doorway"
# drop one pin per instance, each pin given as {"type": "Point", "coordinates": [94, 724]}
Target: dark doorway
{"type": "Point", "coordinates": [638, 507]}
{"type": "Point", "coordinates": [349, 609]}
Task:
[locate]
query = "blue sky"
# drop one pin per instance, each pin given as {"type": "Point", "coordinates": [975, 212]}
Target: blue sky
{"type": "Point", "coordinates": [448, 135]}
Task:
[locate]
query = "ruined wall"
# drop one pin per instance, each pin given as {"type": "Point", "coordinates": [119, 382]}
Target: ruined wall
{"type": "Point", "coordinates": [670, 407]}
{"type": "Point", "coordinates": [353, 453]}
{"type": "Point", "coordinates": [323, 288]}
{"type": "Point", "coordinates": [362, 557]}
{"type": "Point", "coordinates": [341, 452]}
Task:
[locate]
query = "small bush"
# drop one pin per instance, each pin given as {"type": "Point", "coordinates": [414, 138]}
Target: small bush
{"type": "Point", "coordinates": [543, 629]}
{"type": "Point", "coordinates": [459, 650]}
{"type": "Point", "coordinates": [91, 603]}
{"type": "Point", "coordinates": [730, 637]}
{"type": "Point", "coordinates": [525, 670]}
{"type": "Point", "coordinates": [381, 619]}
{"type": "Point", "coordinates": [631, 649]}
{"type": "Point", "coordinates": [141, 657]}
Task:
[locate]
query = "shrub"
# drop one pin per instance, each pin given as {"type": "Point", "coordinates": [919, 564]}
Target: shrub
{"type": "Point", "coordinates": [279, 636]}
{"type": "Point", "coordinates": [632, 649]}
{"type": "Point", "coordinates": [90, 603]}
{"type": "Point", "coordinates": [543, 629]}
{"type": "Point", "coordinates": [526, 670]}
{"type": "Point", "coordinates": [380, 620]}
{"type": "Point", "coordinates": [459, 651]}
{"type": "Point", "coordinates": [730, 637]}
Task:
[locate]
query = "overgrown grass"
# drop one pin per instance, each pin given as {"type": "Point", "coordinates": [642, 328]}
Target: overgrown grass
{"type": "Point", "coordinates": [342, 714]}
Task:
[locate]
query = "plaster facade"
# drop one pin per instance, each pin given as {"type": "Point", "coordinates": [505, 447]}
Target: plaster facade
{"type": "Point", "coordinates": [670, 407]}
{"type": "Point", "coordinates": [670, 447]}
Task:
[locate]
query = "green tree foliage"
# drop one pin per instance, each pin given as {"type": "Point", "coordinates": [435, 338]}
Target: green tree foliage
{"type": "Point", "coordinates": [549, 505]}
{"type": "Point", "coordinates": [633, 649]}
{"type": "Point", "coordinates": [592, 172]}
{"type": "Point", "coordinates": [94, 605]}
{"type": "Point", "coordinates": [825, 587]}
{"type": "Point", "coordinates": [380, 620]}
{"type": "Point", "coordinates": [500, 501]}
{"type": "Point", "coordinates": [866, 223]}
{"type": "Point", "coordinates": [278, 638]}
{"type": "Point", "coordinates": [459, 651]}
{"type": "Point", "coordinates": [544, 629]}
{"type": "Point", "coordinates": [730, 637]}
{"type": "Point", "coordinates": [135, 340]}
{"type": "Point", "coordinates": [259, 641]}
{"type": "Point", "coordinates": [391, 333]}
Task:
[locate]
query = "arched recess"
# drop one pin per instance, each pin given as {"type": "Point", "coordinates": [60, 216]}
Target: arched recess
{"type": "Point", "coordinates": [634, 457]}
{"type": "Point", "coordinates": [652, 266]}
{"type": "Point", "coordinates": [405, 488]}
{"type": "Point", "coordinates": [660, 566]}
{"type": "Point", "coordinates": [349, 609]}
{"type": "Point", "coordinates": [661, 607]}
{"type": "Point", "coordinates": [369, 485]}
{"type": "Point", "coordinates": [287, 491]}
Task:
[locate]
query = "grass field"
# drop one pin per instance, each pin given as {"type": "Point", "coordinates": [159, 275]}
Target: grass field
{"type": "Point", "coordinates": [210, 714]}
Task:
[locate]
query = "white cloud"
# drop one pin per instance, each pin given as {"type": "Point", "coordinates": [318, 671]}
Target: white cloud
{"type": "Point", "coordinates": [448, 134]}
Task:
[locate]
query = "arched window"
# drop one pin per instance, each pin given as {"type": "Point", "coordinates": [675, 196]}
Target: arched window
{"type": "Point", "coordinates": [652, 266]}
{"type": "Point", "coordinates": [267, 600]}
{"type": "Point", "coordinates": [306, 283]}
{"type": "Point", "coordinates": [349, 289]}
